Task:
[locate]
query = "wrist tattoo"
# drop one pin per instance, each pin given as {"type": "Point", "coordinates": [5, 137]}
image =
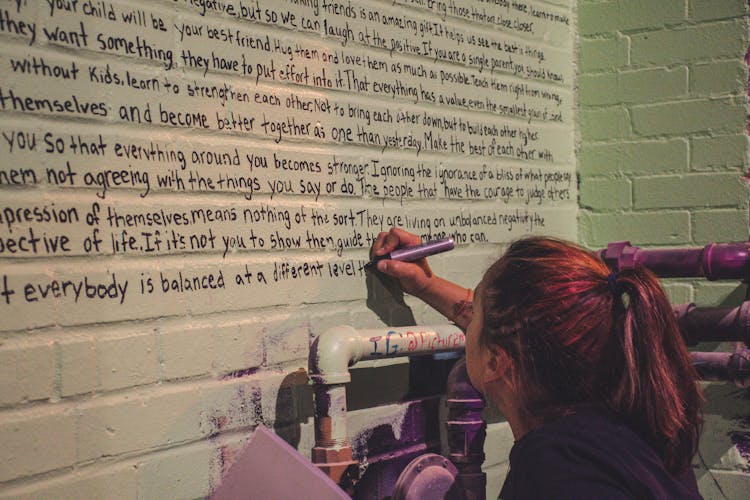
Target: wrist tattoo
{"type": "Point", "coordinates": [463, 307]}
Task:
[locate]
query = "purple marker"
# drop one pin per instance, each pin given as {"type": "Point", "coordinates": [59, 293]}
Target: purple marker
{"type": "Point", "coordinates": [410, 254]}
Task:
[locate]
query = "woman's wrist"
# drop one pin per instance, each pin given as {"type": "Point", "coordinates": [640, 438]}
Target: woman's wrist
{"type": "Point", "coordinates": [462, 307]}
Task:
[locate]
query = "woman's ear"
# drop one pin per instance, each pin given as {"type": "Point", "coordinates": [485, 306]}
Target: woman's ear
{"type": "Point", "coordinates": [497, 364]}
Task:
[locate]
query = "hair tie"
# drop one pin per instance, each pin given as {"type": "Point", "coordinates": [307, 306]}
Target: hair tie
{"type": "Point", "coordinates": [612, 280]}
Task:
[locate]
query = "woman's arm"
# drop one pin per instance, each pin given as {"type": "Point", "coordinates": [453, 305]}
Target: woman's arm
{"type": "Point", "coordinates": [416, 278]}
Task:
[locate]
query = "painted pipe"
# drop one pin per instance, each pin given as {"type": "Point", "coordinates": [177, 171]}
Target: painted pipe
{"type": "Point", "coordinates": [714, 324]}
{"type": "Point", "coordinates": [466, 431]}
{"type": "Point", "coordinates": [715, 261]}
{"type": "Point", "coordinates": [724, 366]}
{"type": "Point", "coordinates": [334, 351]}
{"type": "Point", "coordinates": [331, 355]}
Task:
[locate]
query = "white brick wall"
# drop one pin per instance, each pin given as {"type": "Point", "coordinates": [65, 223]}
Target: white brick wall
{"type": "Point", "coordinates": [257, 151]}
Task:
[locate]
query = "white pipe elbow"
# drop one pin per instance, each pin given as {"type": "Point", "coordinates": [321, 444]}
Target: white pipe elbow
{"type": "Point", "coordinates": [332, 353]}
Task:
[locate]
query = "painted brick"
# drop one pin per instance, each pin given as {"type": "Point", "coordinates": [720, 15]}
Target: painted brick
{"type": "Point", "coordinates": [724, 484]}
{"type": "Point", "coordinates": [634, 157]}
{"type": "Point", "coordinates": [718, 151]}
{"type": "Point", "coordinates": [605, 194]}
{"type": "Point", "coordinates": [25, 316]}
{"type": "Point", "coordinates": [642, 86]}
{"type": "Point", "coordinates": [600, 54]}
{"type": "Point", "coordinates": [607, 123]}
{"type": "Point", "coordinates": [323, 320]}
{"type": "Point", "coordinates": [652, 85]}
{"type": "Point", "coordinates": [287, 339]}
{"type": "Point", "coordinates": [678, 293]}
{"type": "Point", "coordinates": [629, 15]}
{"type": "Point", "coordinates": [78, 371]}
{"type": "Point", "coordinates": [229, 449]}
{"type": "Point", "coordinates": [113, 482]}
{"type": "Point", "coordinates": [597, 17]}
{"type": "Point", "coordinates": [122, 424]}
{"type": "Point", "coordinates": [597, 89]}
{"type": "Point", "coordinates": [667, 228]}
{"type": "Point", "coordinates": [127, 360]}
{"type": "Point", "coordinates": [237, 403]}
{"type": "Point", "coordinates": [362, 317]}
{"type": "Point", "coordinates": [642, 14]}
{"type": "Point", "coordinates": [162, 475]}
{"type": "Point", "coordinates": [692, 190]}
{"type": "Point", "coordinates": [172, 415]}
{"type": "Point", "coordinates": [27, 371]}
{"type": "Point", "coordinates": [27, 438]}
{"type": "Point", "coordinates": [688, 117]}
{"type": "Point", "coordinates": [288, 398]}
{"type": "Point", "coordinates": [716, 9]}
{"type": "Point", "coordinates": [696, 43]}
{"type": "Point", "coordinates": [496, 475]}
{"type": "Point", "coordinates": [186, 351]}
{"type": "Point", "coordinates": [498, 443]}
{"type": "Point", "coordinates": [717, 78]}
{"type": "Point", "coordinates": [238, 346]}
{"type": "Point", "coordinates": [728, 294]}
{"type": "Point", "coordinates": [720, 225]}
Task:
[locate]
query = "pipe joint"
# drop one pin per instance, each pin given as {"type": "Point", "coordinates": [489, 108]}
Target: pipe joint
{"type": "Point", "coordinates": [331, 354]}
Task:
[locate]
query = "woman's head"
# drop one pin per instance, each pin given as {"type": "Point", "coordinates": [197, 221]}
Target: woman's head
{"type": "Point", "coordinates": [574, 333]}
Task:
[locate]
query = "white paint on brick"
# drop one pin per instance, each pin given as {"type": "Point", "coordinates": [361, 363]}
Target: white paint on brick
{"type": "Point", "coordinates": [345, 132]}
{"type": "Point", "coordinates": [27, 436]}
{"type": "Point", "coordinates": [27, 370]}
{"type": "Point", "coordinates": [78, 365]}
{"type": "Point", "coordinates": [109, 481]}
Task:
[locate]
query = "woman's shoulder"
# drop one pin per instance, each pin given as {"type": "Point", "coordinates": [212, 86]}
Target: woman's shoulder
{"type": "Point", "coordinates": [590, 454]}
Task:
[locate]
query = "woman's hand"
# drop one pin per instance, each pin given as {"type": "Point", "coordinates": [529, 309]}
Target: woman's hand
{"type": "Point", "coordinates": [412, 277]}
{"type": "Point", "coordinates": [416, 278]}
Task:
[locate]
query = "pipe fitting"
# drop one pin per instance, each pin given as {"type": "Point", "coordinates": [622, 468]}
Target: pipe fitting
{"type": "Point", "coordinates": [724, 366]}
{"type": "Point", "coordinates": [331, 354]}
{"type": "Point", "coordinates": [715, 261]}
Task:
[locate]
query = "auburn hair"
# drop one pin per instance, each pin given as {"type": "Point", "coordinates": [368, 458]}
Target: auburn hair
{"type": "Point", "coordinates": [580, 335]}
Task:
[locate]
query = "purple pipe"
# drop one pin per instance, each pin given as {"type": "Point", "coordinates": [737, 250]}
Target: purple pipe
{"type": "Point", "coordinates": [715, 261]}
{"type": "Point", "coordinates": [466, 432]}
{"type": "Point", "coordinates": [714, 324]}
{"type": "Point", "coordinates": [724, 366]}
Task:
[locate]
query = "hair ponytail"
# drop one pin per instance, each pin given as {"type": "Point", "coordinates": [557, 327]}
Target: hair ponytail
{"type": "Point", "coordinates": [656, 388]}
{"type": "Point", "coordinates": [577, 334]}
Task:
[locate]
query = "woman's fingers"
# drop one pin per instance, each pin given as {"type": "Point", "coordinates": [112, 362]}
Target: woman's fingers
{"type": "Point", "coordinates": [390, 240]}
{"type": "Point", "coordinates": [403, 238]}
{"type": "Point", "coordinates": [377, 248]}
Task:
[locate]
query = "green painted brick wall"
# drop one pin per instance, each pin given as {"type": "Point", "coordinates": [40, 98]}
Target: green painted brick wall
{"type": "Point", "coordinates": [709, 10]}
{"type": "Point", "coordinates": [632, 157]}
{"type": "Point", "coordinates": [605, 193]}
{"type": "Point", "coordinates": [693, 190]}
{"type": "Point", "coordinates": [612, 16]}
{"type": "Point", "coordinates": [662, 110]}
{"type": "Point", "coordinates": [670, 228]}
{"type": "Point", "coordinates": [705, 41]}
{"type": "Point", "coordinates": [686, 117]}
{"type": "Point", "coordinates": [662, 156]}
{"type": "Point", "coordinates": [716, 78]}
{"type": "Point", "coordinates": [717, 152]}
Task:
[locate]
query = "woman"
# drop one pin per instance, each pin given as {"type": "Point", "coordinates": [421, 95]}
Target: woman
{"type": "Point", "coordinates": [588, 367]}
